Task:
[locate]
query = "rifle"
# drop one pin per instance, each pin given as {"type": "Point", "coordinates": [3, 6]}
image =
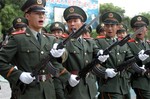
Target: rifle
{"type": "Point", "coordinates": [131, 62]}
{"type": "Point", "coordinates": [45, 62]}
{"type": "Point", "coordinates": [95, 61]}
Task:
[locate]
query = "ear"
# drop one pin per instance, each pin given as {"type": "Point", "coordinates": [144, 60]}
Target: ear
{"type": "Point", "coordinates": [27, 16]}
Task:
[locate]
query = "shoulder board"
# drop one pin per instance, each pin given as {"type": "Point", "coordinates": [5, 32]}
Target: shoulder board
{"type": "Point", "coordinates": [100, 37]}
{"type": "Point", "coordinates": [131, 40]}
{"type": "Point", "coordinates": [18, 32]}
{"type": "Point", "coordinates": [64, 35]}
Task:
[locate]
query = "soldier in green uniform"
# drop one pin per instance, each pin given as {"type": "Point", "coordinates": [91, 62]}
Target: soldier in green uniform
{"type": "Point", "coordinates": [100, 31]}
{"type": "Point", "coordinates": [122, 31]}
{"type": "Point", "coordinates": [114, 85]}
{"type": "Point", "coordinates": [20, 56]}
{"type": "Point", "coordinates": [58, 30]}
{"type": "Point", "coordinates": [80, 52]}
{"type": "Point", "coordinates": [140, 83]}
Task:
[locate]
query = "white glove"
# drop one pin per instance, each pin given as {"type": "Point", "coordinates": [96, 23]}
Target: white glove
{"type": "Point", "coordinates": [102, 57]}
{"type": "Point", "coordinates": [142, 56]}
{"type": "Point", "coordinates": [57, 53]}
{"type": "Point", "coordinates": [143, 68]}
{"type": "Point", "coordinates": [26, 77]}
{"type": "Point", "coordinates": [110, 72]}
{"type": "Point", "coordinates": [73, 81]}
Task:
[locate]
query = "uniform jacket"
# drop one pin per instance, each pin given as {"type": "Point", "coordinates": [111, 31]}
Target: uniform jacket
{"type": "Point", "coordinates": [24, 51]}
{"type": "Point", "coordinates": [139, 81]}
{"type": "Point", "coordinates": [79, 55]}
{"type": "Point", "coordinates": [119, 83]}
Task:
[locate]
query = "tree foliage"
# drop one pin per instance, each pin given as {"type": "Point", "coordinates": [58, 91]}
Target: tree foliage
{"type": "Point", "coordinates": [126, 19]}
{"type": "Point", "coordinates": [9, 12]}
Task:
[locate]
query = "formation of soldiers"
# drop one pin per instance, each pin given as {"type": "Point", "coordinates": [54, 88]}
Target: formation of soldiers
{"type": "Point", "coordinates": [37, 67]}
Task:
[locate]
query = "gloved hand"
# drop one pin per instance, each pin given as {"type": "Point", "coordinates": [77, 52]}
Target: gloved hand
{"type": "Point", "coordinates": [26, 77]}
{"type": "Point", "coordinates": [143, 68]}
{"type": "Point", "coordinates": [142, 56]}
{"type": "Point", "coordinates": [110, 72]}
{"type": "Point", "coordinates": [72, 80]}
{"type": "Point", "coordinates": [57, 53]}
{"type": "Point", "coordinates": [102, 57]}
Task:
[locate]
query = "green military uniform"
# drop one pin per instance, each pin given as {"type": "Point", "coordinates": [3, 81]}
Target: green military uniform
{"type": "Point", "coordinates": [59, 84]}
{"type": "Point", "coordinates": [24, 51]}
{"type": "Point", "coordinates": [118, 86]}
{"type": "Point", "coordinates": [140, 83]}
{"type": "Point", "coordinates": [80, 53]}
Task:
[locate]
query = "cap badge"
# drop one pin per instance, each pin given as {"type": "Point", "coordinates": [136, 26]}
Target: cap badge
{"type": "Point", "coordinates": [102, 25]}
{"type": "Point", "coordinates": [18, 20]}
{"type": "Point", "coordinates": [121, 26]}
{"type": "Point", "coordinates": [71, 10]}
{"type": "Point", "coordinates": [139, 18]}
{"type": "Point", "coordinates": [39, 1]}
{"type": "Point", "coordinates": [110, 15]}
{"type": "Point", "coordinates": [56, 25]}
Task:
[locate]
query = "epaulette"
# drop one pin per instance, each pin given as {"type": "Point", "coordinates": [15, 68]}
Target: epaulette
{"type": "Point", "coordinates": [131, 40]}
{"type": "Point", "coordinates": [101, 37]}
{"type": "Point", "coordinates": [64, 35]}
{"type": "Point", "coordinates": [18, 32]}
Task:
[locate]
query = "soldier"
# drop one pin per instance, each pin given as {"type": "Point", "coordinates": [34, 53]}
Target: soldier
{"type": "Point", "coordinates": [58, 30]}
{"type": "Point", "coordinates": [114, 85]}
{"type": "Point", "coordinates": [100, 31]}
{"type": "Point", "coordinates": [20, 56]}
{"type": "Point", "coordinates": [19, 25]}
{"type": "Point", "coordinates": [87, 34]}
{"type": "Point", "coordinates": [122, 31]}
{"type": "Point", "coordinates": [140, 83]}
{"type": "Point", "coordinates": [80, 52]}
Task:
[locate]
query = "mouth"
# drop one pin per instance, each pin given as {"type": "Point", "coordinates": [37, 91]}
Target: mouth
{"type": "Point", "coordinates": [41, 22]}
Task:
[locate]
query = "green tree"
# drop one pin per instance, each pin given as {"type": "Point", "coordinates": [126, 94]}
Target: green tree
{"type": "Point", "coordinates": [9, 12]}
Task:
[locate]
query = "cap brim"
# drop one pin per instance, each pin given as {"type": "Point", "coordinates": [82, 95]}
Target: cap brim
{"type": "Point", "coordinates": [36, 9]}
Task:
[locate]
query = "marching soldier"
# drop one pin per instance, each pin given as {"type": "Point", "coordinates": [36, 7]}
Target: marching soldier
{"type": "Point", "coordinates": [113, 85]}
{"type": "Point", "coordinates": [87, 34]}
{"type": "Point", "coordinates": [140, 83]}
{"type": "Point", "coordinates": [19, 26]}
{"type": "Point", "coordinates": [100, 31]}
{"type": "Point", "coordinates": [80, 52]}
{"type": "Point", "coordinates": [58, 30]}
{"type": "Point", "coordinates": [20, 56]}
{"type": "Point", "coordinates": [122, 31]}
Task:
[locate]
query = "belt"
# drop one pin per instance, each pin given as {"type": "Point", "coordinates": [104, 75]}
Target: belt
{"type": "Point", "coordinates": [43, 77]}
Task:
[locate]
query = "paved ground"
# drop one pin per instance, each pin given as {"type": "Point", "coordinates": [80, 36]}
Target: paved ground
{"type": "Point", "coordinates": [5, 90]}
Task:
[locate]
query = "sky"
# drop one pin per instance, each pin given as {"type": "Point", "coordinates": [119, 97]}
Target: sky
{"type": "Point", "coordinates": [132, 7]}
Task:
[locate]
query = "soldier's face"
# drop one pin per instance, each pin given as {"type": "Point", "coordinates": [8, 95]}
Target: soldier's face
{"type": "Point", "coordinates": [142, 34]}
{"type": "Point", "coordinates": [74, 24]}
{"type": "Point", "coordinates": [111, 30]}
{"type": "Point", "coordinates": [35, 19]}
